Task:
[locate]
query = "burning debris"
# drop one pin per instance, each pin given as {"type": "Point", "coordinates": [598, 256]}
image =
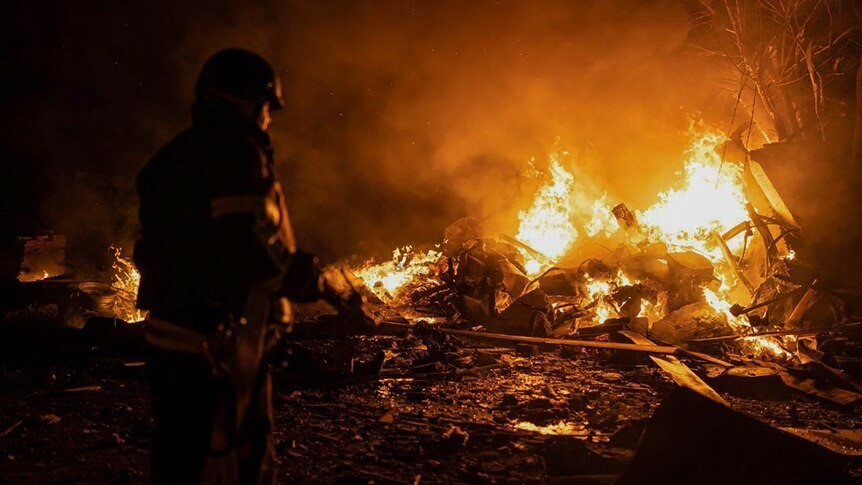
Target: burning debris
{"type": "Point", "coordinates": [677, 271]}
{"type": "Point", "coordinates": [125, 281]}
{"type": "Point", "coordinates": [43, 257]}
{"type": "Point", "coordinates": [390, 279]}
{"type": "Point", "coordinates": [48, 294]}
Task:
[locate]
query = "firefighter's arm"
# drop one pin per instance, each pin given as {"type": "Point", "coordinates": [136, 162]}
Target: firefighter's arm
{"type": "Point", "coordinates": [306, 282]}
{"type": "Point", "coordinates": [244, 236]}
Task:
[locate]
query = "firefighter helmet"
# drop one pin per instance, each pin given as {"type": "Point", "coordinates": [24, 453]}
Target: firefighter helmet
{"type": "Point", "coordinates": [240, 73]}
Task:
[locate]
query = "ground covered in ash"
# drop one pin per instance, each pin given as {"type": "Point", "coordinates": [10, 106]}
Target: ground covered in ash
{"type": "Point", "coordinates": [422, 407]}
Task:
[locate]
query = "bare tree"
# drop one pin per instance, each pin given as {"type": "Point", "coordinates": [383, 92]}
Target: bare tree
{"type": "Point", "coordinates": [790, 53]}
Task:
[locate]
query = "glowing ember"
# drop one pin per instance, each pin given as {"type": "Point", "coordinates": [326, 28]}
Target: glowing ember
{"type": "Point", "coordinates": [30, 277]}
{"type": "Point", "coordinates": [126, 280]}
{"type": "Point", "coordinates": [388, 278]}
{"type": "Point", "coordinates": [561, 427]}
{"type": "Point", "coordinates": [547, 225]}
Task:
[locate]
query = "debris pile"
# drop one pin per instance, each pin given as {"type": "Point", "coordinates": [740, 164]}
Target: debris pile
{"type": "Point", "coordinates": [710, 271]}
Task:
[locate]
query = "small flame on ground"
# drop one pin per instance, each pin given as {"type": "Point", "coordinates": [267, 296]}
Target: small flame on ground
{"type": "Point", "coordinates": [388, 278]}
{"type": "Point", "coordinates": [30, 277]}
{"type": "Point", "coordinates": [561, 427]}
{"type": "Point", "coordinates": [126, 280]}
{"type": "Point", "coordinates": [758, 346]}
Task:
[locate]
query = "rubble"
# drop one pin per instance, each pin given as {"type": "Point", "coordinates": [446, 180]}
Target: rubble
{"type": "Point", "coordinates": [679, 372]}
{"type": "Point", "coordinates": [485, 413]}
{"type": "Point", "coordinates": [693, 321]}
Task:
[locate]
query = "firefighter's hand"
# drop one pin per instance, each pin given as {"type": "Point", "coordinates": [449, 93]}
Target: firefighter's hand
{"type": "Point", "coordinates": [356, 317]}
{"type": "Point", "coordinates": [340, 292]}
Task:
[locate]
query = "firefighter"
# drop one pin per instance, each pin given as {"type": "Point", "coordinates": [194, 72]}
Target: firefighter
{"type": "Point", "coordinates": [218, 260]}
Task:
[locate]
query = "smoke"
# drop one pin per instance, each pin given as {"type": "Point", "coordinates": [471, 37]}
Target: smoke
{"type": "Point", "coordinates": [405, 116]}
{"type": "Point", "coordinates": [400, 117]}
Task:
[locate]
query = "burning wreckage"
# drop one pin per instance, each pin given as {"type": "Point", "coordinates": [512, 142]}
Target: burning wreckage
{"type": "Point", "coordinates": [711, 266]}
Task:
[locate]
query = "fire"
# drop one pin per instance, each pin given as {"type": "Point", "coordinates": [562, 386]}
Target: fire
{"type": "Point", "coordinates": [710, 199]}
{"type": "Point", "coordinates": [757, 345]}
{"type": "Point", "coordinates": [25, 277]}
{"type": "Point", "coordinates": [125, 280]}
{"type": "Point", "coordinates": [596, 291]}
{"type": "Point", "coordinates": [547, 225]}
{"type": "Point", "coordinates": [603, 221]}
{"type": "Point", "coordinates": [388, 278]}
{"type": "Point", "coordinates": [559, 428]}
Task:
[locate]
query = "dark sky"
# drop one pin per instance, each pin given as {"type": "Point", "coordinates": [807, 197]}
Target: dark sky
{"type": "Point", "coordinates": [401, 116]}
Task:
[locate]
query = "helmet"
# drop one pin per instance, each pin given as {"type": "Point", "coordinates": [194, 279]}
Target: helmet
{"type": "Point", "coordinates": [240, 73]}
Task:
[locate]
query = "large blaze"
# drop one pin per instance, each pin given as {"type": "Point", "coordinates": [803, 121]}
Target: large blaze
{"type": "Point", "coordinates": [707, 199]}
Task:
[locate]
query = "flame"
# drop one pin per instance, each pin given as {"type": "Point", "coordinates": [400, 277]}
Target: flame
{"type": "Point", "coordinates": [596, 291]}
{"type": "Point", "coordinates": [126, 280]}
{"type": "Point", "coordinates": [597, 288]}
{"type": "Point", "coordinates": [603, 220]}
{"type": "Point", "coordinates": [25, 277]}
{"type": "Point", "coordinates": [387, 279]}
{"type": "Point", "coordinates": [710, 199]}
{"type": "Point", "coordinates": [547, 225]}
{"type": "Point", "coordinates": [559, 428]}
{"type": "Point", "coordinates": [757, 346]}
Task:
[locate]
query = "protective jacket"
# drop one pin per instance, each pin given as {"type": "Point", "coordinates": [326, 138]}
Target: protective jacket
{"type": "Point", "coordinates": [200, 250]}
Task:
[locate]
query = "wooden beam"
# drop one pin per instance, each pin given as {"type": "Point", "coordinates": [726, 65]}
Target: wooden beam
{"type": "Point", "coordinates": [679, 372]}
{"type": "Point", "coordinates": [650, 349]}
